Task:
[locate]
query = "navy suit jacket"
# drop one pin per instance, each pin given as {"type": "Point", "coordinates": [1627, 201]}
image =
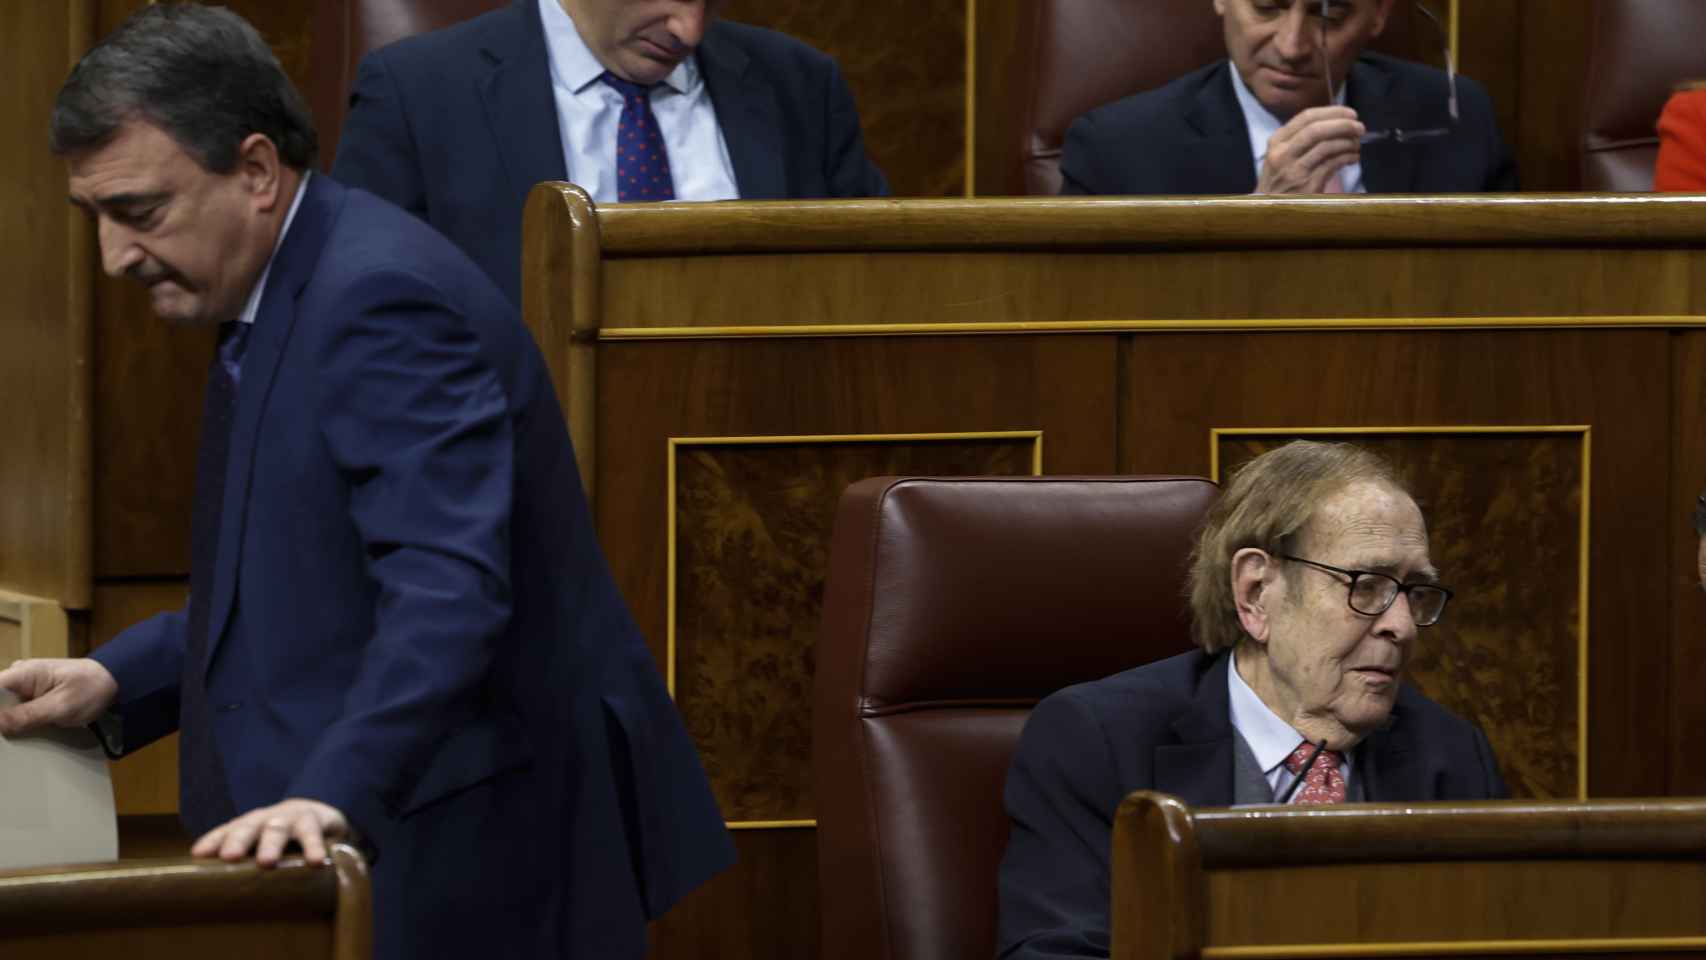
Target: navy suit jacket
{"type": "Point", "coordinates": [457, 125]}
{"type": "Point", "coordinates": [1168, 727]}
{"type": "Point", "coordinates": [1189, 137]}
{"type": "Point", "coordinates": [411, 617]}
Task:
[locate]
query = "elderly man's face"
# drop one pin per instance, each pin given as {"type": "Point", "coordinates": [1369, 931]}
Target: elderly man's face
{"type": "Point", "coordinates": [1333, 673]}
{"type": "Point", "coordinates": [641, 40]}
{"type": "Point", "coordinates": [1276, 46]}
{"type": "Point", "coordinates": [192, 237]}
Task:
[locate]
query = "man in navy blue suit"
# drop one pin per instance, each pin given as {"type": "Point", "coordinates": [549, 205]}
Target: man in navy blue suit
{"type": "Point", "coordinates": [401, 630]}
{"type": "Point", "coordinates": [457, 125]}
{"type": "Point", "coordinates": [1263, 122]}
{"type": "Point", "coordinates": [1310, 582]}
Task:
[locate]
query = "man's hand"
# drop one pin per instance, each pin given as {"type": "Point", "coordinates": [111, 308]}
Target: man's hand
{"type": "Point", "coordinates": [56, 693]}
{"type": "Point", "coordinates": [1310, 149]}
{"type": "Point", "coordinates": [266, 831]}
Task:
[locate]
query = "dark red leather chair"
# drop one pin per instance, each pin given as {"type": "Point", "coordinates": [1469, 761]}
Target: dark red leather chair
{"type": "Point", "coordinates": [346, 30]}
{"type": "Point", "coordinates": [1640, 50]}
{"type": "Point", "coordinates": [1079, 54]}
{"type": "Point", "coordinates": [952, 607]}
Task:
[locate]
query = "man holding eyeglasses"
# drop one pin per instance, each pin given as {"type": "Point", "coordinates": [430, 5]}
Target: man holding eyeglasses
{"type": "Point", "coordinates": [1309, 586]}
{"type": "Point", "coordinates": [1299, 107]}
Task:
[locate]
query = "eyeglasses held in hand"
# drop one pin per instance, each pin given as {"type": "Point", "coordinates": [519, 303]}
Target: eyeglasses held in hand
{"type": "Point", "coordinates": [1401, 134]}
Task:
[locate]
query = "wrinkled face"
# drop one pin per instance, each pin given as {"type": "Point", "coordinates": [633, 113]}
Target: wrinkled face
{"type": "Point", "coordinates": [1329, 665]}
{"type": "Point", "coordinates": [1276, 46]}
{"type": "Point", "coordinates": [641, 40]}
{"type": "Point", "coordinates": [192, 237]}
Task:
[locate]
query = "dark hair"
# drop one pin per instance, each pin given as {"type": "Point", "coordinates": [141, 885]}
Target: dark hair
{"type": "Point", "coordinates": [201, 74]}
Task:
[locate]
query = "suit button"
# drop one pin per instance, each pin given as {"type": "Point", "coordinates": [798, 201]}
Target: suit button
{"type": "Point", "coordinates": [231, 707]}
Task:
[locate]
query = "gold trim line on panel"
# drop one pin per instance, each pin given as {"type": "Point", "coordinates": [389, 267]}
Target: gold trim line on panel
{"type": "Point", "coordinates": [771, 824]}
{"type": "Point", "coordinates": [1036, 436]}
{"type": "Point", "coordinates": [1167, 324]}
{"type": "Point", "coordinates": [1413, 948]}
{"type": "Point", "coordinates": [1586, 432]}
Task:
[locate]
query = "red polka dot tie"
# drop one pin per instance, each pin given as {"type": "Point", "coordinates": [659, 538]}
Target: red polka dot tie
{"type": "Point", "coordinates": [1325, 782]}
{"type": "Point", "coordinates": [642, 164]}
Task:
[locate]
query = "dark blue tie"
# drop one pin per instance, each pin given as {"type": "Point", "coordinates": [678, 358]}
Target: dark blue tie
{"type": "Point", "coordinates": [642, 163]}
{"type": "Point", "coordinates": [205, 796]}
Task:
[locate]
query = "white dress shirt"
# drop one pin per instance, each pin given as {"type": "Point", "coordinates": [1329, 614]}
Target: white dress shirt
{"type": "Point", "coordinates": [589, 110]}
{"type": "Point", "coordinates": [252, 306]}
{"type": "Point", "coordinates": [1262, 125]}
{"type": "Point", "coordinates": [1270, 738]}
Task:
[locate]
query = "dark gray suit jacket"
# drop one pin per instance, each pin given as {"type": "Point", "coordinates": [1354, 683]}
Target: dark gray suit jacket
{"type": "Point", "coordinates": [1189, 137]}
{"type": "Point", "coordinates": [457, 125]}
{"type": "Point", "coordinates": [1168, 727]}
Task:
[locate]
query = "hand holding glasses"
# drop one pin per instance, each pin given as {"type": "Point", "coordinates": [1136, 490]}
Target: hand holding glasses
{"type": "Point", "coordinates": [1400, 134]}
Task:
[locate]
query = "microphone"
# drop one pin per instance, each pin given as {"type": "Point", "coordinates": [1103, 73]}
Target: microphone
{"type": "Point", "coordinates": [1307, 764]}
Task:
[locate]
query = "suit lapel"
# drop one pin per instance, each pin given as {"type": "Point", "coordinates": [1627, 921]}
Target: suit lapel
{"type": "Point", "coordinates": [1395, 769]}
{"type": "Point", "coordinates": [291, 268]}
{"type": "Point", "coordinates": [750, 118]}
{"type": "Point", "coordinates": [1222, 160]}
{"type": "Point", "coordinates": [520, 106]}
{"type": "Point", "coordinates": [1386, 167]}
{"type": "Point", "coordinates": [1199, 768]}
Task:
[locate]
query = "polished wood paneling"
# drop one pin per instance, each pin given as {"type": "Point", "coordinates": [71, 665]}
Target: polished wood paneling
{"type": "Point", "coordinates": [1601, 379]}
{"type": "Point", "coordinates": [1553, 56]}
{"type": "Point", "coordinates": [145, 782]}
{"type": "Point", "coordinates": [1490, 495]}
{"type": "Point", "coordinates": [1063, 386]}
{"type": "Point", "coordinates": [905, 60]}
{"type": "Point", "coordinates": [763, 908]}
{"type": "Point", "coordinates": [1685, 671]}
{"type": "Point", "coordinates": [44, 375]}
{"type": "Point", "coordinates": [189, 909]}
{"type": "Point", "coordinates": [751, 553]}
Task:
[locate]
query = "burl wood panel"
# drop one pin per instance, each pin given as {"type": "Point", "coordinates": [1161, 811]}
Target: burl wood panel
{"type": "Point", "coordinates": [1181, 385]}
{"type": "Point", "coordinates": [751, 552]}
{"type": "Point", "coordinates": [906, 63]}
{"type": "Point", "coordinates": [1507, 653]}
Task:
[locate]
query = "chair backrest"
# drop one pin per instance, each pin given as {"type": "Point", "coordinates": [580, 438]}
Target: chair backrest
{"type": "Point", "coordinates": [952, 606]}
{"type": "Point", "coordinates": [1080, 54]}
{"type": "Point", "coordinates": [1640, 50]}
{"type": "Point", "coordinates": [347, 30]}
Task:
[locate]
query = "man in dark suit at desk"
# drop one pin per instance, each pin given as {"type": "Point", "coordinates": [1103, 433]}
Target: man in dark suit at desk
{"type": "Point", "coordinates": [1309, 584]}
{"type": "Point", "coordinates": [631, 99]}
{"type": "Point", "coordinates": [401, 629]}
{"type": "Point", "coordinates": [1263, 121]}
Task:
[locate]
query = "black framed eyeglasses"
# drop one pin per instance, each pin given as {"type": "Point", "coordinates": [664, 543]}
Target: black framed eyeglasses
{"type": "Point", "coordinates": [1401, 134]}
{"type": "Point", "coordinates": [1372, 594]}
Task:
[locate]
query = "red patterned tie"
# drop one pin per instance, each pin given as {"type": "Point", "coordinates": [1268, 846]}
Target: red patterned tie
{"type": "Point", "coordinates": [642, 163]}
{"type": "Point", "coordinates": [1325, 782]}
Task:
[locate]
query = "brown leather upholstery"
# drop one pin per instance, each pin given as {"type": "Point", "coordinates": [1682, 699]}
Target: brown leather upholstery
{"type": "Point", "coordinates": [1079, 54]}
{"type": "Point", "coordinates": [347, 30]}
{"type": "Point", "coordinates": [1641, 48]}
{"type": "Point", "coordinates": [952, 606]}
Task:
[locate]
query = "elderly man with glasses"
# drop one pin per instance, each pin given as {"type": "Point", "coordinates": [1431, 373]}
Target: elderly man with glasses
{"type": "Point", "coordinates": [1299, 107]}
{"type": "Point", "coordinates": [1309, 586]}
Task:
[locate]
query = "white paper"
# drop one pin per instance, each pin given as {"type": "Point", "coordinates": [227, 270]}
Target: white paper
{"type": "Point", "coordinates": [56, 799]}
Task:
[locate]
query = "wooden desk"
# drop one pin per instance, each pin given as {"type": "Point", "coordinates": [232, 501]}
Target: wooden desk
{"type": "Point", "coordinates": [1409, 880]}
{"type": "Point", "coordinates": [184, 909]}
{"type": "Point", "coordinates": [1536, 364]}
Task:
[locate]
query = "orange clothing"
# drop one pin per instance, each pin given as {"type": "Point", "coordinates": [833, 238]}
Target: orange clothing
{"type": "Point", "coordinates": [1682, 143]}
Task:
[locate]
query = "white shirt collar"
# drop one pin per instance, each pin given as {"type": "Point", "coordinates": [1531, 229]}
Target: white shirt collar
{"type": "Point", "coordinates": [252, 306]}
{"type": "Point", "coordinates": [1259, 120]}
{"type": "Point", "coordinates": [573, 65]}
{"type": "Point", "coordinates": [1270, 738]}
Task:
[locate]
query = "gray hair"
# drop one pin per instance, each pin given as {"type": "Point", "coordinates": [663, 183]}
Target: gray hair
{"type": "Point", "coordinates": [203, 75]}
